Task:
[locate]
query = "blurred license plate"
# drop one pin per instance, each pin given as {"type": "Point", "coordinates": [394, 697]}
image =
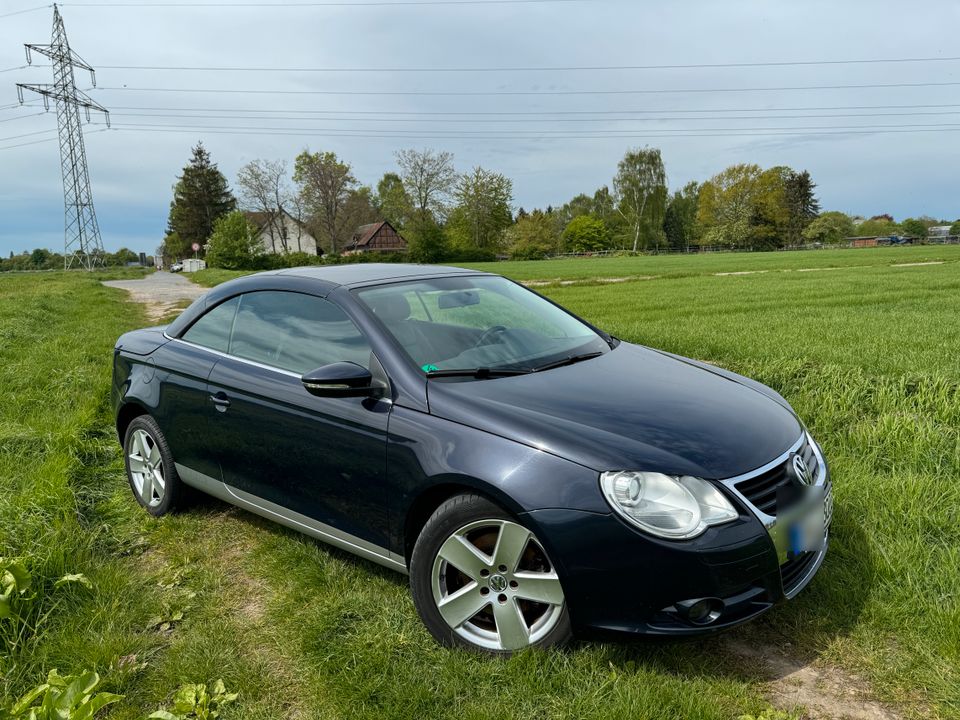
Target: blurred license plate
{"type": "Point", "coordinates": [808, 523]}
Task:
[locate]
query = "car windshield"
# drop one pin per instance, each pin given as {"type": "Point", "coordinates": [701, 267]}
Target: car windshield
{"type": "Point", "coordinates": [479, 323]}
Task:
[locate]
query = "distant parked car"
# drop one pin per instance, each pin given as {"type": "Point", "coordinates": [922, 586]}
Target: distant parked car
{"type": "Point", "coordinates": [535, 476]}
{"type": "Point", "coordinates": [176, 267]}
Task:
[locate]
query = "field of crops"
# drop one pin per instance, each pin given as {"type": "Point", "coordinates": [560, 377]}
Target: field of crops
{"type": "Point", "coordinates": [863, 343]}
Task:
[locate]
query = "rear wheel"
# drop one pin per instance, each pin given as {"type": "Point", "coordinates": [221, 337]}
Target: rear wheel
{"type": "Point", "coordinates": [150, 469]}
{"type": "Point", "coordinates": [482, 580]}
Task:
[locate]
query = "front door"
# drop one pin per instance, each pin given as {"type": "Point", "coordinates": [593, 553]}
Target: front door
{"type": "Point", "coordinates": [323, 458]}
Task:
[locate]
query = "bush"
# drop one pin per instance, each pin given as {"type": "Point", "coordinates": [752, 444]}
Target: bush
{"type": "Point", "coordinates": [234, 244]}
{"type": "Point", "coordinates": [585, 234]}
{"type": "Point", "coordinates": [529, 252]}
{"type": "Point", "coordinates": [463, 254]}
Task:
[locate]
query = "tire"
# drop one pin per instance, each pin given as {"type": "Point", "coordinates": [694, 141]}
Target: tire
{"type": "Point", "coordinates": [155, 483]}
{"type": "Point", "coordinates": [481, 580]}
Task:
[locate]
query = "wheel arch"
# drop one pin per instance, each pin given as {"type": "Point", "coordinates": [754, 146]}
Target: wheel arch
{"type": "Point", "coordinates": [440, 490]}
{"type": "Point", "coordinates": [126, 415]}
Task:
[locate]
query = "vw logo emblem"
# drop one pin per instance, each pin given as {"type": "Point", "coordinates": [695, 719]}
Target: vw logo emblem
{"type": "Point", "coordinates": [498, 583]}
{"type": "Point", "coordinates": [801, 470]}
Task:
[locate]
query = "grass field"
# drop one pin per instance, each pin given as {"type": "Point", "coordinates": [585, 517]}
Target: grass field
{"type": "Point", "coordinates": [867, 354]}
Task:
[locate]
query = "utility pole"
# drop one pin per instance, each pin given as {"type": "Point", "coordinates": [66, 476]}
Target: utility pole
{"type": "Point", "coordinates": [82, 243]}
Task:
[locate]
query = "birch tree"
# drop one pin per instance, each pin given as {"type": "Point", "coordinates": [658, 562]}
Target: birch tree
{"type": "Point", "coordinates": [640, 190]}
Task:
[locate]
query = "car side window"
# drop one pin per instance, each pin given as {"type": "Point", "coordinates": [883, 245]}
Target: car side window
{"type": "Point", "coordinates": [213, 329]}
{"type": "Point", "coordinates": [295, 332]}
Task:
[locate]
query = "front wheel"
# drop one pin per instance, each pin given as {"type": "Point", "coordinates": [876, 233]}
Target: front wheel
{"type": "Point", "coordinates": [482, 580]}
{"type": "Point", "coordinates": [150, 469]}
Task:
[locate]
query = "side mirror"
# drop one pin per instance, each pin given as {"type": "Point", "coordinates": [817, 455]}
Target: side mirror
{"type": "Point", "coordinates": [341, 379]}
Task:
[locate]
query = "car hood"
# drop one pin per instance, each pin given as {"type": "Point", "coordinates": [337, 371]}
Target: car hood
{"type": "Point", "coordinates": [632, 408]}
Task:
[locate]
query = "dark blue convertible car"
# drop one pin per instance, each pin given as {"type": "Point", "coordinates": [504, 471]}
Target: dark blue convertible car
{"type": "Point", "coordinates": [536, 477]}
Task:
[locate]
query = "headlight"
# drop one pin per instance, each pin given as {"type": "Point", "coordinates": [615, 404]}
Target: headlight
{"type": "Point", "coordinates": [677, 508]}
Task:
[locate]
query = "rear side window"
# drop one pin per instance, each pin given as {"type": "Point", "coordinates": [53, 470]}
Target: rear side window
{"type": "Point", "coordinates": [213, 329]}
{"type": "Point", "coordinates": [295, 332]}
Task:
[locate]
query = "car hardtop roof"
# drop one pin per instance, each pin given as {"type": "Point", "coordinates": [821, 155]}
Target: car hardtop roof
{"type": "Point", "coordinates": [373, 273]}
{"type": "Point", "coordinates": [314, 278]}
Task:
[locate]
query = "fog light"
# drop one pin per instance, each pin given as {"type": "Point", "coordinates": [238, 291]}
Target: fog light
{"type": "Point", "coordinates": [702, 611]}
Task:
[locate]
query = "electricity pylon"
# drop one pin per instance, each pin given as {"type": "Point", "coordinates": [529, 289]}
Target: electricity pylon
{"type": "Point", "coordinates": [82, 243]}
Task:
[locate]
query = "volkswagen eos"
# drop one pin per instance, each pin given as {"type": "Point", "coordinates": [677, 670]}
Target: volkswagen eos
{"type": "Point", "coordinates": [536, 477]}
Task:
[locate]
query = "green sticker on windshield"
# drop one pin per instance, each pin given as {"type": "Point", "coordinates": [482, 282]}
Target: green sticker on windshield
{"type": "Point", "coordinates": [429, 367]}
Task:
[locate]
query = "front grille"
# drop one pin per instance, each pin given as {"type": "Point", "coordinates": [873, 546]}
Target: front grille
{"type": "Point", "coordinates": [794, 570]}
{"type": "Point", "coordinates": [775, 489]}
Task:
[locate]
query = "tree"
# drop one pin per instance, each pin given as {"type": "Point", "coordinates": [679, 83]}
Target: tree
{"type": "Point", "coordinates": [830, 227]}
{"type": "Point", "coordinates": [914, 227]}
{"type": "Point", "coordinates": [483, 208]}
{"type": "Point", "coordinates": [680, 217]}
{"type": "Point", "coordinates": [200, 197]}
{"type": "Point", "coordinates": [429, 177]}
{"type": "Point", "coordinates": [954, 230]}
{"type": "Point", "coordinates": [264, 189]}
{"type": "Point", "coordinates": [426, 242]}
{"type": "Point", "coordinates": [770, 215]}
{"type": "Point", "coordinates": [123, 256]}
{"type": "Point", "coordinates": [234, 244]}
{"type": "Point", "coordinates": [359, 209]}
{"type": "Point", "coordinates": [640, 190]}
{"type": "Point", "coordinates": [745, 205]}
{"type": "Point", "coordinates": [40, 257]}
{"type": "Point", "coordinates": [586, 233]}
{"type": "Point", "coordinates": [878, 226]}
{"type": "Point", "coordinates": [802, 205]}
{"type": "Point", "coordinates": [532, 237]}
{"type": "Point", "coordinates": [325, 185]}
{"type": "Point", "coordinates": [392, 200]}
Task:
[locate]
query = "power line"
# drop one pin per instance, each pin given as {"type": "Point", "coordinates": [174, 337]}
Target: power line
{"type": "Point", "coordinates": [542, 131]}
{"type": "Point", "coordinates": [314, 134]}
{"type": "Point", "coordinates": [489, 93]}
{"type": "Point", "coordinates": [539, 112]}
{"type": "Point", "coordinates": [21, 117]}
{"type": "Point", "coordinates": [38, 132]}
{"type": "Point", "coordinates": [21, 12]}
{"type": "Point", "coordinates": [532, 134]}
{"type": "Point", "coordinates": [45, 140]}
{"type": "Point", "coordinates": [342, 3]}
{"type": "Point", "coordinates": [659, 118]}
{"type": "Point", "coordinates": [568, 68]}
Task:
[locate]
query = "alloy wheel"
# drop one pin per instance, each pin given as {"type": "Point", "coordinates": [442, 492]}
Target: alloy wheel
{"type": "Point", "coordinates": [495, 587]}
{"type": "Point", "coordinates": [146, 468]}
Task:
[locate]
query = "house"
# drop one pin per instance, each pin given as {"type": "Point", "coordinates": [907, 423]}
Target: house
{"type": "Point", "coordinates": [376, 237]}
{"type": "Point", "coordinates": [281, 232]}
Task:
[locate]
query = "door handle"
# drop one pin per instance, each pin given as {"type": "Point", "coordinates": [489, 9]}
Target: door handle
{"type": "Point", "coordinates": [220, 401]}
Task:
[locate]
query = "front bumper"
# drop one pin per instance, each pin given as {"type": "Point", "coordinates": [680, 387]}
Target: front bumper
{"type": "Point", "coordinates": [618, 580]}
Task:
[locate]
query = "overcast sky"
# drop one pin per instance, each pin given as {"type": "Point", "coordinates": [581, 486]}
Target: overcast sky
{"type": "Point", "coordinates": [553, 146]}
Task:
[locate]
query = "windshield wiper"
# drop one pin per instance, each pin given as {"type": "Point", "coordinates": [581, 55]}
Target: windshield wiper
{"type": "Point", "coordinates": [570, 360]}
{"type": "Point", "coordinates": [479, 372]}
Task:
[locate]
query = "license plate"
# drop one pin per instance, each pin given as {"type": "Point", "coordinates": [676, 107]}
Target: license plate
{"type": "Point", "coordinates": [807, 528]}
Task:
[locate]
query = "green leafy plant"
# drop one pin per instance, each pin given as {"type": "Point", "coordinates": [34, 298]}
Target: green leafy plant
{"type": "Point", "coordinates": [68, 697]}
{"type": "Point", "coordinates": [197, 701]}
{"type": "Point", "coordinates": [15, 582]}
{"type": "Point", "coordinates": [20, 609]}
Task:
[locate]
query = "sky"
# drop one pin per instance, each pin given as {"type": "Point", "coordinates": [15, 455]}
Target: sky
{"type": "Point", "coordinates": [549, 92]}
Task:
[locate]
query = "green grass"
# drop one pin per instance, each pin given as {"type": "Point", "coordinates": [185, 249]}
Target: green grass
{"type": "Point", "coordinates": [587, 270]}
{"type": "Point", "coordinates": [867, 356]}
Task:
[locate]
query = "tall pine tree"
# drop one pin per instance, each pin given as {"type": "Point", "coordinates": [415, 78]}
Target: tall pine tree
{"type": "Point", "coordinates": [802, 205]}
{"type": "Point", "coordinates": [200, 197]}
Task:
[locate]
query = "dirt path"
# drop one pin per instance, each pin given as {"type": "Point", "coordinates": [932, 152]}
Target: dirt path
{"type": "Point", "coordinates": [817, 692]}
{"type": "Point", "coordinates": [161, 292]}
